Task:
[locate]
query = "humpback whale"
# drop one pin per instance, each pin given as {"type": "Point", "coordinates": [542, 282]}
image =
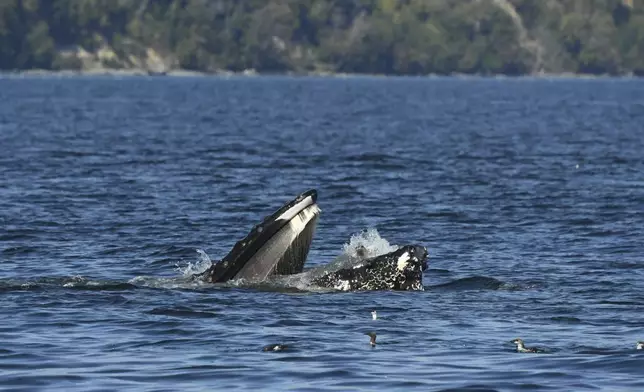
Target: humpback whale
{"type": "Point", "coordinates": [401, 269]}
{"type": "Point", "coordinates": [279, 246]}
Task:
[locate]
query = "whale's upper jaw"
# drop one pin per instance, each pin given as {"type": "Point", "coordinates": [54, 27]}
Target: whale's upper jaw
{"type": "Point", "coordinates": [278, 245]}
{"type": "Point", "coordinates": [398, 270]}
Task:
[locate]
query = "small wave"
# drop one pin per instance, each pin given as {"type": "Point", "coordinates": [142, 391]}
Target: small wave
{"type": "Point", "coordinates": [472, 388]}
{"type": "Point", "coordinates": [102, 286]}
{"type": "Point", "coordinates": [581, 222]}
{"type": "Point", "coordinates": [156, 282]}
{"type": "Point", "coordinates": [616, 302]}
{"type": "Point", "coordinates": [72, 153]}
{"type": "Point", "coordinates": [298, 283]}
{"type": "Point", "coordinates": [182, 312]}
{"type": "Point", "coordinates": [471, 283]}
{"type": "Point", "coordinates": [456, 215]}
{"type": "Point", "coordinates": [169, 251]}
{"type": "Point", "coordinates": [19, 235]}
{"type": "Point", "coordinates": [369, 157]}
{"type": "Point", "coordinates": [19, 250]}
{"type": "Point", "coordinates": [605, 233]}
{"type": "Point", "coordinates": [566, 319]}
{"type": "Point", "coordinates": [70, 282]}
{"type": "Point", "coordinates": [600, 351]}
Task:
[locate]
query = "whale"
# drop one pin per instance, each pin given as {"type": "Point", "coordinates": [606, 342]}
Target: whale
{"type": "Point", "coordinates": [400, 270]}
{"type": "Point", "coordinates": [279, 245]}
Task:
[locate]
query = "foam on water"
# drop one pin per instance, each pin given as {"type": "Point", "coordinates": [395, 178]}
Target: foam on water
{"type": "Point", "coordinates": [203, 263]}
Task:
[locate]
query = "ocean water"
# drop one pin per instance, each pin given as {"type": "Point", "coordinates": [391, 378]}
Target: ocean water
{"type": "Point", "coordinates": [527, 193]}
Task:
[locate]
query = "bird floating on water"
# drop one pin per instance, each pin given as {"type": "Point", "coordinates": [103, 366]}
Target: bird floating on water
{"type": "Point", "coordinates": [523, 349]}
{"type": "Point", "coordinates": [372, 335]}
{"type": "Point", "coordinates": [374, 315]}
{"type": "Point", "coordinates": [275, 347]}
{"type": "Point", "coordinates": [640, 345]}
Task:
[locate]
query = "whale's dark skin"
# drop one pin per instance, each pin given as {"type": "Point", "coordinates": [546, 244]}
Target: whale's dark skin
{"type": "Point", "coordinates": [398, 270]}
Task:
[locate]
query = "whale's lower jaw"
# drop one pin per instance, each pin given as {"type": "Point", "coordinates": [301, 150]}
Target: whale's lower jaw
{"type": "Point", "coordinates": [398, 270]}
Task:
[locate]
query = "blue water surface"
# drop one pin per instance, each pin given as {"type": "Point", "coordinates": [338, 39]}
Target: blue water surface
{"type": "Point", "coordinates": [528, 194]}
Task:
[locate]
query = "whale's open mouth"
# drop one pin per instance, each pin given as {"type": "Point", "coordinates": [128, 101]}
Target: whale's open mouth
{"type": "Point", "coordinates": [279, 245]}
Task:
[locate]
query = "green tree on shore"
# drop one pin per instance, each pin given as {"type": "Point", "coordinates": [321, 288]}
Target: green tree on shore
{"type": "Point", "coordinates": [410, 37]}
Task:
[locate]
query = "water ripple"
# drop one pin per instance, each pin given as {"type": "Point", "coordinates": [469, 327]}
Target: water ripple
{"type": "Point", "coordinates": [527, 193]}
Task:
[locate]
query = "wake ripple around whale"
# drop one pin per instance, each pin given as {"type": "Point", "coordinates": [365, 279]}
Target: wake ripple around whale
{"type": "Point", "coordinates": [369, 242]}
{"type": "Point", "coordinates": [291, 283]}
{"type": "Point", "coordinates": [65, 282]}
{"type": "Point", "coordinates": [477, 283]}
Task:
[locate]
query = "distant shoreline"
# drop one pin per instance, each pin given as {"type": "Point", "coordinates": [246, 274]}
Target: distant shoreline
{"type": "Point", "coordinates": [178, 73]}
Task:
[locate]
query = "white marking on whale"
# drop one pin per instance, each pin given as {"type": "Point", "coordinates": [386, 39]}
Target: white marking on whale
{"type": "Point", "coordinates": [402, 261]}
{"type": "Point", "coordinates": [342, 285]}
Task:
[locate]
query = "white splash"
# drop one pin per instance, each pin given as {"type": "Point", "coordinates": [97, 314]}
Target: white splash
{"type": "Point", "coordinates": [203, 263]}
{"type": "Point", "coordinates": [372, 242]}
{"type": "Point", "coordinates": [180, 282]}
{"type": "Point", "coordinates": [372, 245]}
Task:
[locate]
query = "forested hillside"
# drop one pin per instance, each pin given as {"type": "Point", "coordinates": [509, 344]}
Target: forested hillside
{"type": "Point", "coordinates": [512, 37]}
